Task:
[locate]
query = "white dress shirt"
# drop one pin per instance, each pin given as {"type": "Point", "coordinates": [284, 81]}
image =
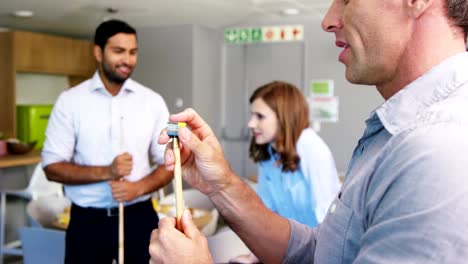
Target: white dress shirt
{"type": "Point", "coordinates": [90, 127]}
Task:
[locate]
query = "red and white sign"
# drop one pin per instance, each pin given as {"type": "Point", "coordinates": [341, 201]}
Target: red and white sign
{"type": "Point", "coordinates": [283, 33]}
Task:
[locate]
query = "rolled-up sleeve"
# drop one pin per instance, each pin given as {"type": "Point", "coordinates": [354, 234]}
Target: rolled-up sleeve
{"type": "Point", "coordinates": [162, 113]}
{"type": "Point", "coordinates": [60, 134]}
{"type": "Point", "coordinates": [301, 245]}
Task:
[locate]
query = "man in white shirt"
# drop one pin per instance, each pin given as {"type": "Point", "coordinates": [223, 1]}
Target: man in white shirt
{"type": "Point", "coordinates": [100, 141]}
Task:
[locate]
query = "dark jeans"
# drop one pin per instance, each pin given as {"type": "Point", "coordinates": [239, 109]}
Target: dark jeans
{"type": "Point", "coordinates": [92, 235]}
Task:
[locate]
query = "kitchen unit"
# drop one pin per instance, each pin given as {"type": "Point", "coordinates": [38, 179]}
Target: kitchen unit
{"type": "Point", "coordinates": [27, 52]}
{"type": "Point", "coordinates": [32, 123]}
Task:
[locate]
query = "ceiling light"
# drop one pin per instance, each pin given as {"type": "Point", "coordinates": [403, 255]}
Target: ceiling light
{"type": "Point", "coordinates": [23, 13]}
{"type": "Point", "coordinates": [290, 11]}
{"type": "Point", "coordinates": [112, 10]}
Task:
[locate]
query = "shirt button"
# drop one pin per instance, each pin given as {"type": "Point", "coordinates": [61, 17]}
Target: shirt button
{"type": "Point", "coordinates": [332, 208]}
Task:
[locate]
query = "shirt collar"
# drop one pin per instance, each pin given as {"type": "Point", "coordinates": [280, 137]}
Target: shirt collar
{"type": "Point", "coordinates": [97, 84]}
{"type": "Point", "coordinates": [402, 109]}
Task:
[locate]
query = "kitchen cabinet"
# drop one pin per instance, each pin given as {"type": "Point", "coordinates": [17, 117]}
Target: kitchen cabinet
{"type": "Point", "coordinates": [28, 52]}
{"type": "Point", "coordinates": [34, 52]}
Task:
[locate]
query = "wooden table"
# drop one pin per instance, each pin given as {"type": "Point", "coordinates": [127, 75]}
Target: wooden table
{"type": "Point", "coordinates": [30, 158]}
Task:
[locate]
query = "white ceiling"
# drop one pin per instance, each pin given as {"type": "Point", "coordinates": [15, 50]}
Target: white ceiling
{"type": "Point", "coordinates": [80, 17]}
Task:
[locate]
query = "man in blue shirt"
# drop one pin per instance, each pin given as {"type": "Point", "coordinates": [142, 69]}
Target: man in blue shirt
{"type": "Point", "coordinates": [405, 194]}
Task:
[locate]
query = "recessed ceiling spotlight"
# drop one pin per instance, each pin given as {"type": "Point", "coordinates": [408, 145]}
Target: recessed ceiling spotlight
{"type": "Point", "coordinates": [112, 10]}
{"type": "Point", "coordinates": [290, 11]}
{"type": "Point", "coordinates": [23, 13]}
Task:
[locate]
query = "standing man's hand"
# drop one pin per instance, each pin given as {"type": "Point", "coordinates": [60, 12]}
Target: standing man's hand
{"type": "Point", "coordinates": [121, 166]}
{"type": "Point", "coordinates": [203, 164]}
{"type": "Point", "coordinates": [169, 245]}
{"type": "Point", "coordinates": [124, 191]}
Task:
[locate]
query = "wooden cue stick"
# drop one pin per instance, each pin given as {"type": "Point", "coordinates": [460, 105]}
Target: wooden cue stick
{"type": "Point", "coordinates": [121, 207]}
{"type": "Point", "coordinates": [121, 233]}
{"type": "Point", "coordinates": [178, 184]}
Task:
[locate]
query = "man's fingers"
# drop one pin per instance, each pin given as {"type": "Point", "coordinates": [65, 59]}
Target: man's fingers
{"type": "Point", "coordinates": [190, 117]}
{"type": "Point", "coordinates": [195, 122]}
{"type": "Point", "coordinates": [163, 137]}
{"type": "Point", "coordinates": [154, 247]}
{"type": "Point", "coordinates": [125, 157]}
{"type": "Point", "coordinates": [169, 159]}
{"type": "Point", "coordinates": [190, 141]}
{"type": "Point", "coordinates": [167, 222]}
{"type": "Point", "coordinates": [189, 227]}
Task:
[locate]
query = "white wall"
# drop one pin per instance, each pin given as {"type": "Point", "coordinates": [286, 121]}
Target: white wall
{"type": "Point", "coordinates": [356, 102]}
{"type": "Point", "coordinates": [34, 88]}
{"type": "Point", "coordinates": [184, 61]}
{"type": "Point", "coordinates": [207, 74]}
{"type": "Point", "coordinates": [165, 63]}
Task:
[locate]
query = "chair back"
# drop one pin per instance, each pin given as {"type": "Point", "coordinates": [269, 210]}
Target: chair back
{"type": "Point", "coordinates": [42, 245]}
{"type": "Point", "coordinates": [39, 185]}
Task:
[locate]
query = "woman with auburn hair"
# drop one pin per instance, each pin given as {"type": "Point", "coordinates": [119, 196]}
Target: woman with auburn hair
{"type": "Point", "coordinates": [297, 174]}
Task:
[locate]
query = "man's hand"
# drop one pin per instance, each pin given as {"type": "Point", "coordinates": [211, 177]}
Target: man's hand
{"type": "Point", "coordinates": [121, 166]}
{"type": "Point", "coordinates": [203, 164]}
{"type": "Point", "coordinates": [205, 168]}
{"type": "Point", "coordinates": [124, 191]}
{"type": "Point", "coordinates": [168, 245]}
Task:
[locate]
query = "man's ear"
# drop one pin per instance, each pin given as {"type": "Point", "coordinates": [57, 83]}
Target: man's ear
{"type": "Point", "coordinates": [98, 53]}
{"type": "Point", "coordinates": [417, 7]}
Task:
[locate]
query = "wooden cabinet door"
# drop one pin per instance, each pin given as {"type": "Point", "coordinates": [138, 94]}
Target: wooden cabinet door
{"type": "Point", "coordinates": [80, 58]}
{"type": "Point", "coordinates": [41, 53]}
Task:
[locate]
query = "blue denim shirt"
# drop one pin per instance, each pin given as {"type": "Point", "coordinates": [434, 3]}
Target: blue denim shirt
{"type": "Point", "coordinates": [405, 195]}
{"type": "Point", "coordinates": [306, 193]}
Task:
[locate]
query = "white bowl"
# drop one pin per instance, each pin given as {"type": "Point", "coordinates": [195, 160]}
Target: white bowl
{"type": "Point", "coordinates": [194, 199]}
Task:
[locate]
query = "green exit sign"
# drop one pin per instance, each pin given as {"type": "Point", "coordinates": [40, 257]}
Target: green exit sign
{"type": "Point", "coordinates": [243, 35]}
{"type": "Point", "coordinates": [264, 34]}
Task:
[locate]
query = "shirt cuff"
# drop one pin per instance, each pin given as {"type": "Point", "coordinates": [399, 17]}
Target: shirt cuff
{"type": "Point", "coordinates": [48, 158]}
{"type": "Point", "coordinates": [301, 245]}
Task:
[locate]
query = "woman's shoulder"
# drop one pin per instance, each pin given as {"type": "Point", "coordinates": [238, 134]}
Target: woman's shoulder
{"type": "Point", "coordinates": [310, 141]}
{"type": "Point", "coordinates": [308, 136]}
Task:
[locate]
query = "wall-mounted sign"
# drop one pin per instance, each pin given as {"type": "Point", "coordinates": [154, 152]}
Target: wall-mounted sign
{"type": "Point", "coordinates": [323, 108]}
{"type": "Point", "coordinates": [322, 87]}
{"type": "Point", "coordinates": [264, 34]}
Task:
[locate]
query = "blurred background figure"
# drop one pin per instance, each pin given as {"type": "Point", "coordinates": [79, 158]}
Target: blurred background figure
{"type": "Point", "coordinates": [102, 152]}
{"type": "Point", "coordinates": [297, 177]}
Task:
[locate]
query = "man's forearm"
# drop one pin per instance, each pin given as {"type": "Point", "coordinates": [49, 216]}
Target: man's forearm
{"type": "Point", "coordinates": [157, 179]}
{"type": "Point", "coordinates": [264, 232]}
{"type": "Point", "coordinates": [72, 174]}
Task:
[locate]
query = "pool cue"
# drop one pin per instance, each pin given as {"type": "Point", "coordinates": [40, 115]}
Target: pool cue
{"type": "Point", "coordinates": [121, 207]}
{"type": "Point", "coordinates": [178, 184]}
{"type": "Point", "coordinates": [172, 131]}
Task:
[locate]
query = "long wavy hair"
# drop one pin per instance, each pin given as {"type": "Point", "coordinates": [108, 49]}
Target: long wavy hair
{"type": "Point", "coordinates": [291, 109]}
